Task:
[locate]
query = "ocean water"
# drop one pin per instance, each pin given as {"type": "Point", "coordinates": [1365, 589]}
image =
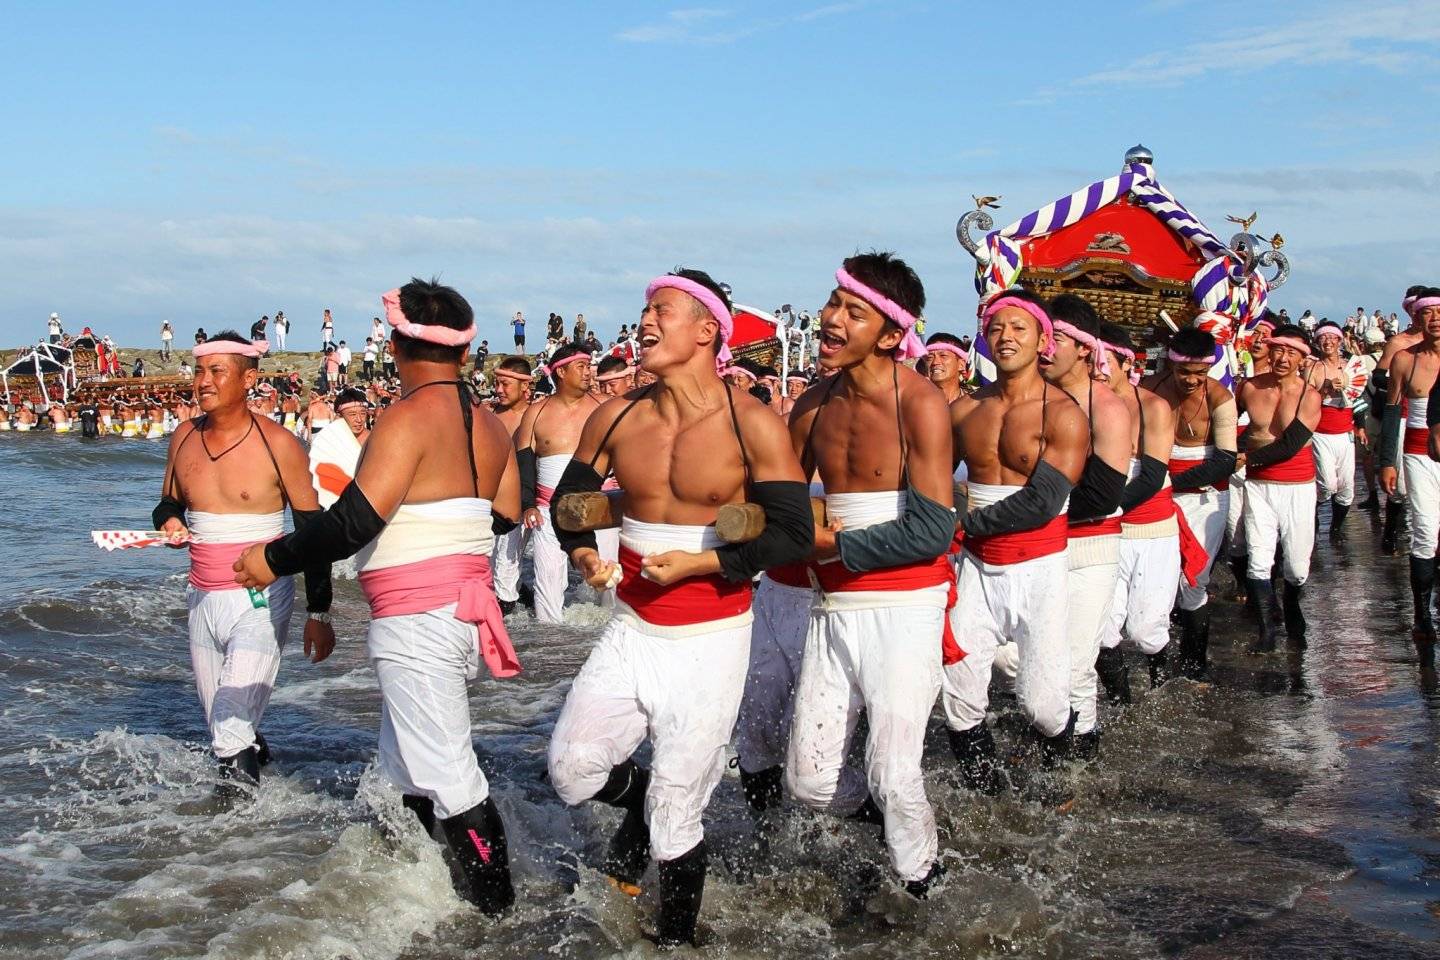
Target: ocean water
{"type": "Point", "coordinates": [1286, 809]}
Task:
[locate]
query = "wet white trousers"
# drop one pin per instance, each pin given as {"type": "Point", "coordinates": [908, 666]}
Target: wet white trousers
{"type": "Point", "coordinates": [777, 648]}
{"type": "Point", "coordinates": [1335, 466]}
{"type": "Point", "coordinates": [1207, 514]}
{"type": "Point", "coordinates": [1280, 515]}
{"type": "Point", "coordinates": [884, 660]}
{"type": "Point", "coordinates": [1422, 484]}
{"type": "Point", "coordinates": [683, 692]}
{"type": "Point", "coordinates": [1017, 602]}
{"type": "Point", "coordinates": [505, 563]}
{"type": "Point", "coordinates": [424, 662]}
{"type": "Point", "coordinates": [235, 651]}
{"type": "Point", "coordinates": [1144, 593]}
{"type": "Point", "coordinates": [552, 569]}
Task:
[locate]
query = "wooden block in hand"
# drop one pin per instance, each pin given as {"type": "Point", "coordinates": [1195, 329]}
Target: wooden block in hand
{"type": "Point", "coordinates": [817, 512]}
{"type": "Point", "coordinates": [582, 512]}
{"type": "Point", "coordinates": [739, 522]}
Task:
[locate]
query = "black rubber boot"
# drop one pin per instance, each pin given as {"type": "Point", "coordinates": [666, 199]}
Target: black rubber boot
{"type": "Point", "coordinates": [1193, 662]}
{"type": "Point", "coordinates": [870, 813]}
{"type": "Point", "coordinates": [1160, 668]}
{"type": "Point", "coordinates": [682, 886]}
{"type": "Point", "coordinates": [239, 775]}
{"type": "Point", "coordinates": [1294, 616]}
{"type": "Point", "coordinates": [1422, 588]}
{"type": "Point", "coordinates": [1056, 750]}
{"type": "Point", "coordinates": [527, 596]}
{"type": "Point", "coordinates": [1086, 746]}
{"type": "Point", "coordinates": [974, 749]}
{"type": "Point", "coordinates": [762, 788]}
{"type": "Point", "coordinates": [1263, 593]}
{"type": "Point", "coordinates": [507, 607]}
{"type": "Point", "coordinates": [477, 839]}
{"type": "Point", "coordinates": [424, 810]}
{"type": "Point", "coordinates": [1239, 569]}
{"type": "Point", "coordinates": [1390, 535]}
{"type": "Point", "coordinates": [1114, 675]}
{"type": "Point", "coordinates": [262, 749]}
{"type": "Point", "coordinates": [1371, 502]}
{"type": "Point", "coordinates": [629, 851]}
{"type": "Point", "coordinates": [920, 889]}
{"type": "Point", "coordinates": [1337, 520]}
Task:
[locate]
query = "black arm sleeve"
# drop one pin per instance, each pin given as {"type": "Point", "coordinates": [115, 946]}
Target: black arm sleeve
{"type": "Point", "coordinates": [578, 477]}
{"type": "Point", "coordinates": [318, 589]}
{"type": "Point", "coordinates": [1390, 434]}
{"type": "Point", "coordinates": [1291, 439]}
{"type": "Point", "coordinates": [529, 477]}
{"type": "Point", "coordinates": [1217, 466]}
{"type": "Point", "coordinates": [789, 533]}
{"type": "Point", "coordinates": [501, 525]}
{"type": "Point", "coordinates": [922, 532]}
{"type": "Point", "coordinates": [1033, 505]}
{"type": "Point", "coordinates": [339, 532]}
{"type": "Point", "coordinates": [1098, 493]}
{"type": "Point", "coordinates": [168, 508]}
{"type": "Point", "coordinates": [1147, 484]}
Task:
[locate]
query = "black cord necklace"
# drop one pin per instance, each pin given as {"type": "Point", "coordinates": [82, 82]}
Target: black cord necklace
{"type": "Point", "coordinates": [216, 456]}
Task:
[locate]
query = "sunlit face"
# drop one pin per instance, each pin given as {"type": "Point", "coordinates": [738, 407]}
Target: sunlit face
{"type": "Point", "coordinates": [615, 387]}
{"type": "Point", "coordinates": [1190, 377]}
{"type": "Point", "coordinates": [671, 329]}
{"type": "Point", "coordinates": [1068, 353]}
{"type": "Point", "coordinates": [577, 375]}
{"type": "Point", "coordinates": [1285, 359]}
{"type": "Point", "coordinates": [222, 381]}
{"type": "Point", "coordinates": [1330, 346]}
{"type": "Point", "coordinates": [943, 367]}
{"type": "Point", "coordinates": [1259, 338]}
{"type": "Point", "coordinates": [356, 417]}
{"type": "Point", "coordinates": [1015, 339]}
{"type": "Point", "coordinates": [510, 390]}
{"type": "Point", "coordinates": [740, 380]}
{"type": "Point", "coordinates": [851, 330]}
{"type": "Point", "coordinates": [794, 387]}
{"type": "Point", "coordinates": [1428, 319]}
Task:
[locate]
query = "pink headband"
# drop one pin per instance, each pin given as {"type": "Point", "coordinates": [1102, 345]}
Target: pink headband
{"type": "Point", "coordinates": [256, 348]}
{"type": "Point", "coordinates": [732, 371]}
{"type": "Point", "coordinates": [911, 346]}
{"type": "Point", "coordinates": [1034, 309]}
{"type": "Point", "coordinates": [513, 375]}
{"type": "Point", "coordinates": [1292, 343]}
{"type": "Point", "coordinates": [352, 403]}
{"type": "Point", "coordinates": [1097, 347]}
{"type": "Point", "coordinates": [798, 376]}
{"type": "Point", "coordinates": [1329, 331]}
{"type": "Point", "coordinates": [616, 375]}
{"type": "Point", "coordinates": [430, 333]}
{"type": "Point", "coordinates": [1420, 303]}
{"type": "Point", "coordinates": [549, 369]}
{"type": "Point", "coordinates": [1407, 304]}
{"type": "Point", "coordinates": [1267, 324]}
{"type": "Point", "coordinates": [1175, 356]}
{"type": "Point", "coordinates": [708, 300]}
{"type": "Point", "coordinates": [1128, 354]}
{"type": "Point", "coordinates": [943, 347]}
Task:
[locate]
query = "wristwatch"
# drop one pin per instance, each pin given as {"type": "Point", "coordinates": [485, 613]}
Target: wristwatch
{"type": "Point", "coordinates": [320, 617]}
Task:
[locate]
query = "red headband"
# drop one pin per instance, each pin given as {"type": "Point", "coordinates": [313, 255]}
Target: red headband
{"type": "Point", "coordinates": [430, 333]}
{"type": "Point", "coordinates": [255, 349]}
{"type": "Point", "coordinates": [1034, 309]}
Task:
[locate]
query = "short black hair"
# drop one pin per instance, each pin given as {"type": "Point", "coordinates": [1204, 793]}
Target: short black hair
{"type": "Point", "coordinates": [1116, 336]}
{"type": "Point", "coordinates": [434, 305]}
{"type": "Point", "coordinates": [942, 337]}
{"type": "Point", "coordinates": [1413, 291]}
{"type": "Point", "coordinates": [610, 364]}
{"type": "Point", "coordinates": [351, 395]}
{"type": "Point", "coordinates": [1193, 342]}
{"type": "Point", "coordinates": [516, 363]}
{"type": "Point", "coordinates": [1076, 311]}
{"type": "Point", "coordinates": [882, 271]}
{"type": "Point", "coordinates": [230, 336]}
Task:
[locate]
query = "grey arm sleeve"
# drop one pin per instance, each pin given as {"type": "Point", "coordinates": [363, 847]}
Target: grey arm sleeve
{"type": "Point", "coordinates": [1147, 484]}
{"type": "Point", "coordinates": [922, 532]}
{"type": "Point", "coordinates": [1390, 434]}
{"type": "Point", "coordinates": [1217, 466]}
{"type": "Point", "coordinates": [1033, 505]}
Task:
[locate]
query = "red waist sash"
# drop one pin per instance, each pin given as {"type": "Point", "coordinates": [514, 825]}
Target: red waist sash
{"type": "Point", "coordinates": [1336, 420]}
{"type": "Point", "coordinates": [1160, 506]}
{"type": "Point", "coordinates": [1104, 527]}
{"type": "Point", "coordinates": [1417, 440]}
{"type": "Point", "coordinates": [790, 574]}
{"type": "Point", "coordinates": [1022, 545]}
{"type": "Point", "coordinates": [1178, 467]}
{"type": "Point", "coordinates": [543, 495]}
{"type": "Point", "coordinates": [425, 585]}
{"type": "Point", "coordinates": [212, 565]}
{"type": "Point", "coordinates": [1298, 469]}
{"type": "Point", "coordinates": [835, 578]}
{"type": "Point", "coordinates": [689, 601]}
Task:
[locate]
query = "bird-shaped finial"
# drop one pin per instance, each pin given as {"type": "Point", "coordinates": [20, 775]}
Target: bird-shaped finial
{"type": "Point", "coordinates": [1245, 221]}
{"type": "Point", "coordinates": [982, 202]}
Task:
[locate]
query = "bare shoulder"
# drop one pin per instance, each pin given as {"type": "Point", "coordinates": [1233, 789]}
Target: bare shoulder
{"type": "Point", "coordinates": [1216, 393]}
{"type": "Point", "coordinates": [810, 400]}
{"type": "Point", "coordinates": [1104, 402]}
{"type": "Point", "coordinates": [1156, 406]}
{"type": "Point", "coordinates": [277, 436]}
{"type": "Point", "coordinates": [759, 420]}
{"type": "Point", "coordinates": [181, 432]}
{"type": "Point", "coordinates": [921, 398]}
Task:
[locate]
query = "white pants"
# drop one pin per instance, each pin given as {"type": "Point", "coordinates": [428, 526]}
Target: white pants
{"type": "Point", "coordinates": [1091, 591]}
{"type": "Point", "coordinates": [280, 337]}
{"type": "Point", "coordinates": [1422, 483]}
{"type": "Point", "coordinates": [552, 571]}
{"type": "Point", "coordinates": [1235, 515]}
{"type": "Point", "coordinates": [1207, 513]}
{"type": "Point", "coordinates": [682, 692]}
{"type": "Point", "coordinates": [1280, 514]}
{"type": "Point", "coordinates": [1335, 466]}
{"type": "Point", "coordinates": [505, 562]}
{"type": "Point", "coordinates": [886, 661]}
{"type": "Point", "coordinates": [607, 542]}
{"type": "Point", "coordinates": [777, 647]}
{"type": "Point", "coordinates": [1019, 602]}
{"type": "Point", "coordinates": [235, 651]}
{"type": "Point", "coordinates": [1144, 593]}
{"type": "Point", "coordinates": [423, 661]}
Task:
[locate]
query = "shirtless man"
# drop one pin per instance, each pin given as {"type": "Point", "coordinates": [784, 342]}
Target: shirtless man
{"type": "Point", "coordinates": [614, 377]}
{"type": "Point", "coordinates": [1412, 374]}
{"type": "Point", "coordinates": [770, 380]}
{"type": "Point", "coordinates": [318, 414]}
{"type": "Point", "coordinates": [795, 385]}
{"type": "Point", "coordinates": [436, 477]}
{"type": "Point", "coordinates": [740, 376]}
{"type": "Point", "coordinates": [1337, 432]}
{"type": "Point", "coordinates": [670, 664]}
{"type": "Point", "coordinates": [1280, 481]}
{"type": "Point", "coordinates": [1149, 532]}
{"type": "Point", "coordinates": [107, 414]}
{"type": "Point", "coordinates": [1395, 506]}
{"type": "Point", "coordinates": [544, 442]}
{"type": "Point", "coordinates": [228, 477]}
{"type": "Point", "coordinates": [1234, 519]}
{"type": "Point", "coordinates": [946, 364]}
{"type": "Point", "coordinates": [1023, 442]}
{"type": "Point", "coordinates": [512, 381]}
{"type": "Point", "coordinates": [1201, 463]}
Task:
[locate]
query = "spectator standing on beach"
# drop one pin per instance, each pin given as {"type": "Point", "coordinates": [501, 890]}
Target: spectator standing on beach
{"type": "Point", "coordinates": [482, 353]}
{"type": "Point", "coordinates": [55, 328]}
{"type": "Point", "coordinates": [344, 356]}
{"type": "Point", "coordinates": [167, 335]}
{"type": "Point", "coordinates": [327, 329]}
{"type": "Point", "coordinates": [377, 330]}
{"type": "Point", "coordinates": [519, 325]}
{"type": "Point", "coordinates": [139, 369]}
{"type": "Point", "coordinates": [329, 369]}
{"type": "Point", "coordinates": [580, 328]}
{"type": "Point", "coordinates": [371, 352]}
{"type": "Point", "coordinates": [387, 360]}
{"type": "Point", "coordinates": [282, 327]}
{"type": "Point", "coordinates": [257, 329]}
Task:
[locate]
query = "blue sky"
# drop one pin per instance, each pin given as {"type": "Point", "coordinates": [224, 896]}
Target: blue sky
{"type": "Point", "coordinates": [202, 165]}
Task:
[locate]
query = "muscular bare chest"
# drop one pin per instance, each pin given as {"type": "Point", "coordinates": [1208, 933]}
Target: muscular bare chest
{"type": "Point", "coordinates": [856, 446]}
{"type": "Point", "coordinates": [1000, 442]}
{"type": "Point", "coordinates": [558, 427]}
{"type": "Point", "coordinates": [242, 480]}
{"type": "Point", "coordinates": [663, 465]}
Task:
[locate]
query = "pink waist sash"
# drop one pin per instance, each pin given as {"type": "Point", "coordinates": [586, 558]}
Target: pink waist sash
{"type": "Point", "coordinates": [212, 565]}
{"type": "Point", "coordinates": [461, 579]}
{"type": "Point", "coordinates": [543, 495]}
